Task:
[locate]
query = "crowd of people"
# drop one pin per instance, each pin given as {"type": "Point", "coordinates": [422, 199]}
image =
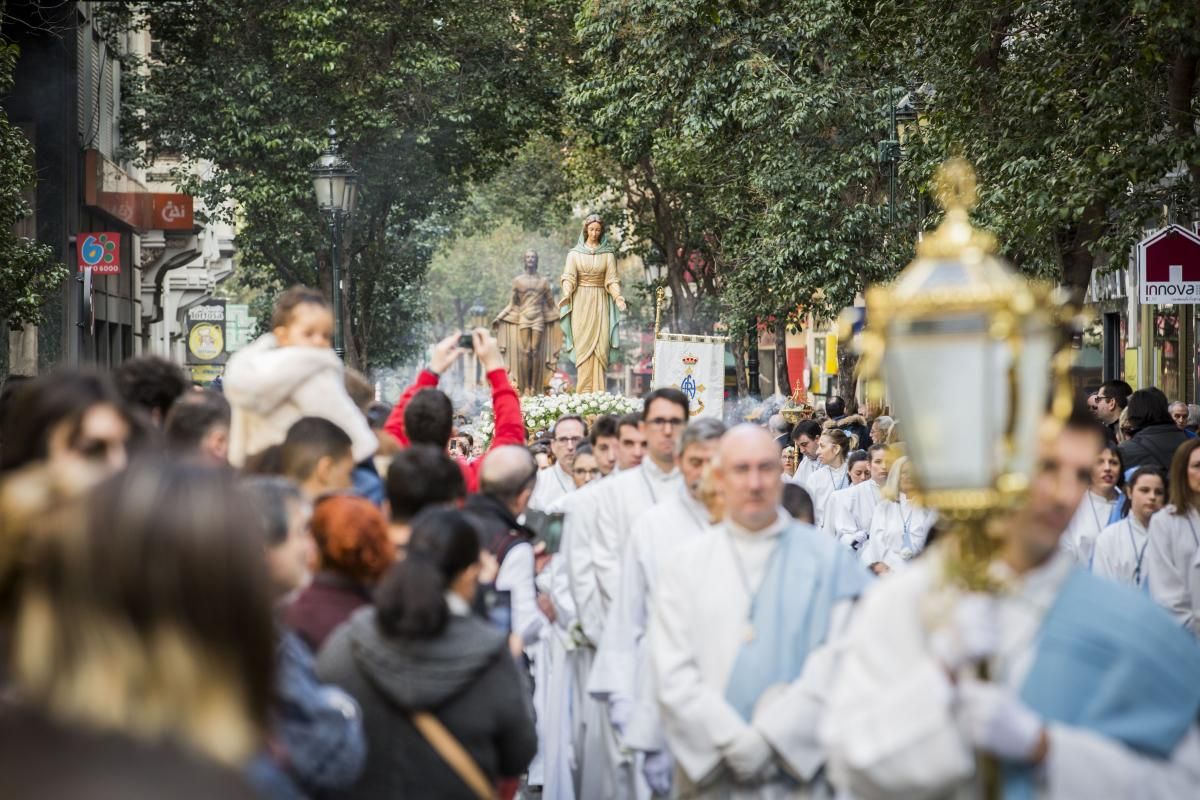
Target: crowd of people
{"type": "Point", "coordinates": [277, 588]}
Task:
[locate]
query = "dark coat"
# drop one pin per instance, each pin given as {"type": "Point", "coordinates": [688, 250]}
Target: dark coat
{"type": "Point", "coordinates": [323, 605]}
{"type": "Point", "coordinates": [48, 760]}
{"type": "Point", "coordinates": [1152, 446]}
{"type": "Point", "coordinates": [465, 676]}
{"type": "Point", "coordinates": [854, 425]}
{"type": "Point", "coordinates": [498, 529]}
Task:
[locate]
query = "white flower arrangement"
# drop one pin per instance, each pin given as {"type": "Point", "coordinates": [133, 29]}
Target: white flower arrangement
{"type": "Point", "coordinates": [540, 412]}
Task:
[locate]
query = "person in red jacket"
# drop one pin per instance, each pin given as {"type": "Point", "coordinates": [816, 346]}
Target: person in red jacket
{"type": "Point", "coordinates": [424, 415]}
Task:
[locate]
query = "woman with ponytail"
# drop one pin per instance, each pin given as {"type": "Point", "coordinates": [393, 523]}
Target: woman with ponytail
{"type": "Point", "coordinates": [833, 474]}
{"type": "Point", "coordinates": [421, 660]}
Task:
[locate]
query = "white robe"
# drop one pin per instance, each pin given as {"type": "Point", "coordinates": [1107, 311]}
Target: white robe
{"type": "Point", "coordinates": [551, 485]}
{"type": "Point", "coordinates": [626, 496]}
{"type": "Point", "coordinates": [1090, 518]}
{"type": "Point", "coordinates": [823, 483]}
{"type": "Point", "coordinates": [1172, 555]}
{"type": "Point", "coordinates": [848, 513]}
{"type": "Point", "coordinates": [560, 759]}
{"type": "Point", "coordinates": [885, 541]}
{"type": "Point", "coordinates": [587, 720]}
{"type": "Point", "coordinates": [891, 729]}
{"type": "Point", "coordinates": [1121, 553]}
{"type": "Point", "coordinates": [621, 670]}
{"type": "Point", "coordinates": [697, 623]}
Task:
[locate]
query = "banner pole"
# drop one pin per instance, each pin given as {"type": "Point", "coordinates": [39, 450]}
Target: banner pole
{"type": "Point", "coordinates": [660, 296]}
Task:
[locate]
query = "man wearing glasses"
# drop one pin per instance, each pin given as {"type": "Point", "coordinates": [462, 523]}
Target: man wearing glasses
{"type": "Point", "coordinates": [1111, 400]}
{"type": "Point", "coordinates": [552, 484]}
{"type": "Point", "coordinates": [622, 498]}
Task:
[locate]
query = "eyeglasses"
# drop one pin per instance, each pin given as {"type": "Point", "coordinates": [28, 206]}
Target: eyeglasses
{"type": "Point", "coordinates": [662, 422]}
{"type": "Point", "coordinates": [568, 439]}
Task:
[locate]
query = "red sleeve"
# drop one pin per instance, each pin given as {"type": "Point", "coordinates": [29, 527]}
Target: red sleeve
{"type": "Point", "coordinates": [470, 471]}
{"type": "Point", "coordinates": [506, 406]}
{"type": "Point", "coordinates": [395, 420]}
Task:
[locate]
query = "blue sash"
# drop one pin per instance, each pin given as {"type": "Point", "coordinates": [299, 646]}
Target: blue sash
{"type": "Point", "coordinates": [806, 577]}
{"type": "Point", "coordinates": [1111, 661]}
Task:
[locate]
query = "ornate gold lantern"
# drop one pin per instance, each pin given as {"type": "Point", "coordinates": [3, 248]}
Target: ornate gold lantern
{"type": "Point", "coordinates": [966, 346]}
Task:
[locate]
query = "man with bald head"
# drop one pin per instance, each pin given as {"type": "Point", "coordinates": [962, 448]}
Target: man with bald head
{"type": "Point", "coordinates": [738, 629]}
{"type": "Point", "coordinates": [506, 480]}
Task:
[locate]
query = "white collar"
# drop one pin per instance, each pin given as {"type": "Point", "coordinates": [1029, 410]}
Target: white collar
{"type": "Point", "coordinates": [782, 520]}
{"type": "Point", "coordinates": [652, 470]}
{"type": "Point", "coordinates": [1040, 584]}
{"type": "Point", "coordinates": [458, 607]}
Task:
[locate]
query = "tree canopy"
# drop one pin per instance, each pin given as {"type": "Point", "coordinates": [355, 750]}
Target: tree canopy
{"type": "Point", "coordinates": [746, 147]}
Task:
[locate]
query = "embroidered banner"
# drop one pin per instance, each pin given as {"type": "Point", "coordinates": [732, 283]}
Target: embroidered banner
{"type": "Point", "coordinates": [696, 366]}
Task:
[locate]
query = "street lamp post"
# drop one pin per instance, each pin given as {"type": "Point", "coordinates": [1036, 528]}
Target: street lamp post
{"type": "Point", "coordinates": [336, 185]}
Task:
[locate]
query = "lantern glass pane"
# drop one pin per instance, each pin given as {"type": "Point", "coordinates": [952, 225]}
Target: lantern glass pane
{"type": "Point", "coordinates": [1038, 343]}
{"type": "Point", "coordinates": [337, 192]}
{"type": "Point", "coordinates": [948, 382]}
{"type": "Point", "coordinates": [322, 189]}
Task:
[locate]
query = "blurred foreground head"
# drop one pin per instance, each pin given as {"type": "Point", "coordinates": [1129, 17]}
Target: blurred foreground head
{"type": "Point", "coordinates": [69, 416]}
{"type": "Point", "coordinates": [143, 607]}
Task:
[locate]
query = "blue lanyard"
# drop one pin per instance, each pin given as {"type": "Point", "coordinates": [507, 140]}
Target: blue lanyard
{"type": "Point", "coordinates": [1139, 555]}
{"type": "Point", "coordinates": [906, 541]}
{"type": "Point", "coordinates": [842, 483]}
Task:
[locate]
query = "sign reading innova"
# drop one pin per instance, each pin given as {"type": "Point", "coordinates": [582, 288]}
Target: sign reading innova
{"type": "Point", "coordinates": [1169, 267]}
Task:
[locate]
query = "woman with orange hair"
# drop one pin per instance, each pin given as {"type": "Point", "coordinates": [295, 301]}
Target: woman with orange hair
{"type": "Point", "coordinates": [354, 551]}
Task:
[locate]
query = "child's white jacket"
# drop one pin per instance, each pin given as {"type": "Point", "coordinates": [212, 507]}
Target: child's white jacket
{"type": "Point", "coordinates": [270, 387]}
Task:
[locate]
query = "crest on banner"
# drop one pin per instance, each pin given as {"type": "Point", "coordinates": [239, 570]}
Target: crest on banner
{"type": "Point", "coordinates": [695, 365]}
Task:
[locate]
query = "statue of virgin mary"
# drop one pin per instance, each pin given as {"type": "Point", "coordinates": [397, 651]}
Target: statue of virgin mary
{"type": "Point", "coordinates": [591, 305]}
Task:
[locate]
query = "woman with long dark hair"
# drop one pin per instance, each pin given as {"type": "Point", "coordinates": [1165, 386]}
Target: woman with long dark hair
{"type": "Point", "coordinates": [144, 612]}
{"type": "Point", "coordinates": [1174, 547]}
{"type": "Point", "coordinates": [1155, 434]}
{"type": "Point", "coordinates": [431, 677]}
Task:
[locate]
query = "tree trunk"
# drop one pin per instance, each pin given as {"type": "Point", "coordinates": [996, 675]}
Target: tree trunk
{"type": "Point", "coordinates": [783, 383]}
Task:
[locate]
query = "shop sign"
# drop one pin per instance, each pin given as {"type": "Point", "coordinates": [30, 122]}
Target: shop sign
{"type": "Point", "coordinates": [99, 252]}
{"type": "Point", "coordinates": [1110, 285]}
{"type": "Point", "coordinates": [1168, 263]}
{"type": "Point", "coordinates": [206, 333]}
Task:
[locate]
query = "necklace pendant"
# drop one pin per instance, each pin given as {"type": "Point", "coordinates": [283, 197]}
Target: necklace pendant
{"type": "Point", "coordinates": [748, 632]}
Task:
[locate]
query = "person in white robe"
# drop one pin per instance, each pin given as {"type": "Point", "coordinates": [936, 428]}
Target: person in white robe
{"type": "Point", "coordinates": [848, 515]}
{"type": "Point", "coordinates": [807, 438]}
{"type": "Point", "coordinates": [833, 449]}
{"type": "Point", "coordinates": [1120, 552]}
{"type": "Point", "coordinates": [589, 726]}
{"type": "Point", "coordinates": [899, 527]}
{"type": "Point", "coordinates": [554, 682]}
{"type": "Point", "coordinates": [625, 497]}
{"type": "Point", "coordinates": [621, 678]}
{"type": "Point", "coordinates": [568, 432]}
{"type": "Point", "coordinates": [907, 713]}
{"type": "Point", "coordinates": [1100, 507]}
{"type": "Point", "coordinates": [1175, 541]}
{"type": "Point", "coordinates": [742, 630]}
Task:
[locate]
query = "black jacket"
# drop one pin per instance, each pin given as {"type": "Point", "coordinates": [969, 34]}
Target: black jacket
{"type": "Point", "coordinates": [498, 529]}
{"type": "Point", "coordinates": [1152, 446]}
{"type": "Point", "coordinates": [854, 425]}
{"type": "Point", "coordinates": [465, 676]}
